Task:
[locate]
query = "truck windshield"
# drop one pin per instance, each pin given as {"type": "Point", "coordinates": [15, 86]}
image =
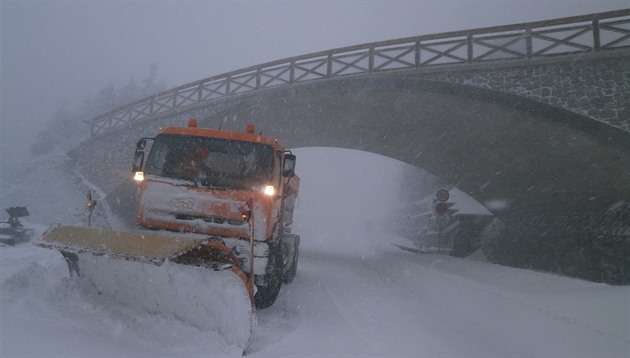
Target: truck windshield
{"type": "Point", "coordinates": [211, 162]}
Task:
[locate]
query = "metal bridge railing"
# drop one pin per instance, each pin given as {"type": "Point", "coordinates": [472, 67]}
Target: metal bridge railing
{"type": "Point", "coordinates": [565, 36]}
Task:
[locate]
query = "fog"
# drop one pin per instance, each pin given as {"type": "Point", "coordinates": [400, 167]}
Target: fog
{"type": "Point", "coordinates": [346, 192]}
{"type": "Point", "coordinates": [57, 51]}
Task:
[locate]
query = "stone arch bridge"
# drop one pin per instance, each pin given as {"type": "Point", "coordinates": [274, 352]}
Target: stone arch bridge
{"type": "Point", "coordinates": [530, 119]}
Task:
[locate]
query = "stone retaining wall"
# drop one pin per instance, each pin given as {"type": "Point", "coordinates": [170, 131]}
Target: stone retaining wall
{"type": "Point", "coordinates": [597, 88]}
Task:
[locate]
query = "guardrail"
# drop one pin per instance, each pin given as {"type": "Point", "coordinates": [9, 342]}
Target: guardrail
{"type": "Point", "coordinates": [564, 36]}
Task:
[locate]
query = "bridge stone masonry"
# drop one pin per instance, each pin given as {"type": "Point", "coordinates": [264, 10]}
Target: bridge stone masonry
{"type": "Point", "coordinates": [529, 119]}
{"type": "Point", "coordinates": [595, 86]}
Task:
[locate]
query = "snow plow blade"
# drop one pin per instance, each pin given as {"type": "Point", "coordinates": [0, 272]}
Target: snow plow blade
{"type": "Point", "coordinates": [196, 280]}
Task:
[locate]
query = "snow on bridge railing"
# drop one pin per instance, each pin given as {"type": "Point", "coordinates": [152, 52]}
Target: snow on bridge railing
{"type": "Point", "coordinates": [564, 36]}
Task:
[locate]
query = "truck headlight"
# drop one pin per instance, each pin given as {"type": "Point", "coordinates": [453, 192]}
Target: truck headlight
{"type": "Point", "coordinates": [138, 176]}
{"type": "Point", "coordinates": [269, 190]}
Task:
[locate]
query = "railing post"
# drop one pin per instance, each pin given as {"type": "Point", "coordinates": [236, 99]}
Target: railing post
{"type": "Point", "coordinates": [258, 78]}
{"type": "Point", "coordinates": [417, 54]}
{"type": "Point", "coordinates": [597, 44]}
{"type": "Point", "coordinates": [228, 79]}
{"type": "Point", "coordinates": [470, 46]}
{"type": "Point", "coordinates": [371, 59]}
{"type": "Point", "coordinates": [292, 71]}
{"type": "Point", "coordinates": [529, 42]}
{"type": "Point", "coordinates": [329, 65]}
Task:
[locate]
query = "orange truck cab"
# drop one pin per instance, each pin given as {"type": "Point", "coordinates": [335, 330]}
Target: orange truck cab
{"type": "Point", "coordinates": [227, 186]}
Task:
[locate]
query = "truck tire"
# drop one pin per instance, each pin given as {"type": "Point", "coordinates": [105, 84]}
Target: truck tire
{"type": "Point", "coordinates": [266, 295]}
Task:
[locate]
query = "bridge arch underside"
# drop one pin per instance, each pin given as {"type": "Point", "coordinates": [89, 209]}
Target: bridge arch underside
{"type": "Point", "coordinates": [528, 162]}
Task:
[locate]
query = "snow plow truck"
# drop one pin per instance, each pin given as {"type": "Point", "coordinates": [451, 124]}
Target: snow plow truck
{"type": "Point", "coordinates": [215, 209]}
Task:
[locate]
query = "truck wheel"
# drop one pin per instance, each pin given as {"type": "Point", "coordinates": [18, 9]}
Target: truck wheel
{"type": "Point", "coordinates": [266, 295]}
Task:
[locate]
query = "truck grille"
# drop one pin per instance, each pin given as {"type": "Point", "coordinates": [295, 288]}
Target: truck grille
{"type": "Point", "coordinates": [213, 220]}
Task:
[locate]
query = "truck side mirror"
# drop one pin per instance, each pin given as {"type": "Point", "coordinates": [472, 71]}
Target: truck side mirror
{"type": "Point", "coordinates": [142, 143]}
{"type": "Point", "coordinates": [289, 165]}
{"type": "Point", "coordinates": [138, 160]}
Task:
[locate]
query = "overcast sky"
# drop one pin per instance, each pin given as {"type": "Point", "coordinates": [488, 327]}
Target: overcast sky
{"type": "Point", "coordinates": [64, 50]}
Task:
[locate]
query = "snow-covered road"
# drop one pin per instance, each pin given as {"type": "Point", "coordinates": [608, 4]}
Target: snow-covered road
{"type": "Point", "coordinates": [387, 302]}
{"type": "Point", "coordinates": [393, 302]}
{"type": "Point", "coordinates": [355, 294]}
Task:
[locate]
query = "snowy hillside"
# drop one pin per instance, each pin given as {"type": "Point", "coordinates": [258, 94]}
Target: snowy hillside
{"type": "Point", "coordinates": [355, 293]}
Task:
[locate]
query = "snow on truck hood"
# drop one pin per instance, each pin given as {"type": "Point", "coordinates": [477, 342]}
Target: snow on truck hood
{"type": "Point", "coordinates": [187, 200]}
{"type": "Point", "coordinates": [199, 209]}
